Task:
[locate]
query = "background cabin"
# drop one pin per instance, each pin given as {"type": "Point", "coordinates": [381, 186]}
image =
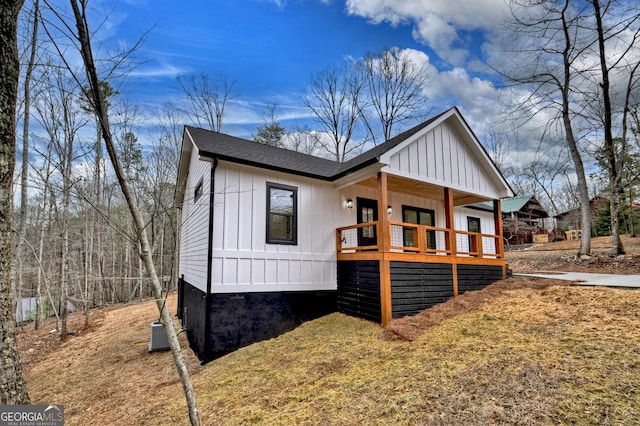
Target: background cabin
{"type": "Point", "coordinates": [522, 219]}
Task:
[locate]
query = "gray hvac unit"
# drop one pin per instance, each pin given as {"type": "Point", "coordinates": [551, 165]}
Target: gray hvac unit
{"type": "Point", "coordinates": [159, 340]}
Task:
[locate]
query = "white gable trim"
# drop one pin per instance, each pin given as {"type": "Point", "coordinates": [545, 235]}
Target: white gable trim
{"type": "Point", "coordinates": [468, 138]}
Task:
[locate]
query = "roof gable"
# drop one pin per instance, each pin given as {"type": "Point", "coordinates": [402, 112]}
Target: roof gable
{"type": "Point", "coordinates": [527, 205]}
{"type": "Point", "coordinates": [446, 152]}
{"type": "Point", "coordinates": [242, 151]}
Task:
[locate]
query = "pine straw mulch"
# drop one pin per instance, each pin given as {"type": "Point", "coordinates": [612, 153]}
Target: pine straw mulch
{"type": "Point", "coordinates": [409, 328]}
{"type": "Point", "coordinates": [522, 351]}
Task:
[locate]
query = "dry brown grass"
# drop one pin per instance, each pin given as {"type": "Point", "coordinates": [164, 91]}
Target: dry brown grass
{"type": "Point", "coordinates": [568, 355]}
{"type": "Point", "coordinates": [103, 375]}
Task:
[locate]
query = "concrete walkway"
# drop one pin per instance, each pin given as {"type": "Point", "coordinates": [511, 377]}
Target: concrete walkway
{"type": "Point", "coordinates": [583, 278]}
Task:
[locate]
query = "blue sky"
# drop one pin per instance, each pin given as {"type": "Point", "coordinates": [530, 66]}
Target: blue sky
{"type": "Point", "coordinates": [272, 47]}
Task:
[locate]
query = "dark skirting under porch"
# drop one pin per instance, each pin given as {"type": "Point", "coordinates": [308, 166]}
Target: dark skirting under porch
{"type": "Point", "coordinates": [415, 286]}
{"type": "Point", "coordinates": [418, 286]}
{"type": "Point", "coordinates": [359, 289]}
{"type": "Point", "coordinates": [240, 319]}
{"type": "Point", "coordinates": [477, 277]}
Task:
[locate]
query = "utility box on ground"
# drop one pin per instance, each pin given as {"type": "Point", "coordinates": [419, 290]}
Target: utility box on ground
{"type": "Point", "coordinates": [159, 340]}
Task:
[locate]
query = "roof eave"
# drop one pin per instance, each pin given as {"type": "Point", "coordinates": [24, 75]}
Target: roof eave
{"type": "Point", "coordinates": [265, 166]}
{"type": "Point", "coordinates": [183, 167]}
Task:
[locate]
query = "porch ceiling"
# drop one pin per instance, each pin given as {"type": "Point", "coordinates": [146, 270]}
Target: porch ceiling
{"type": "Point", "coordinates": [422, 189]}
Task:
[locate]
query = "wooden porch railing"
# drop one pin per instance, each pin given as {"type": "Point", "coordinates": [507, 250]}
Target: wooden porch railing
{"type": "Point", "coordinates": [420, 239]}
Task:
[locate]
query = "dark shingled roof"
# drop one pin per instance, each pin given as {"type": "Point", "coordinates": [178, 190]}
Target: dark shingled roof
{"type": "Point", "coordinates": [251, 153]}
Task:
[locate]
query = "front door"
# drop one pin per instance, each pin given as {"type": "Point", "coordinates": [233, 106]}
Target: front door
{"type": "Point", "coordinates": [367, 212]}
{"type": "Point", "coordinates": [473, 225]}
{"type": "Point", "coordinates": [419, 216]}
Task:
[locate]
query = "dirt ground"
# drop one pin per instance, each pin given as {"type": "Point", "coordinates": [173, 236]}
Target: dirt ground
{"type": "Point", "coordinates": [561, 256]}
{"type": "Point", "coordinates": [101, 366]}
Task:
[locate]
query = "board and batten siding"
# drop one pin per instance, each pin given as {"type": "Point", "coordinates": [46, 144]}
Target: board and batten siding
{"type": "Point", "coordinates": [442, 156]}
{"type": "Point", "coordinates": [397, 200]}
{"type": "Point", "coordinates": [195, 223]}
{"type": "Point", "coordinates": [242, 260]}
{"type": "Point", "coordinates": [487, 226]}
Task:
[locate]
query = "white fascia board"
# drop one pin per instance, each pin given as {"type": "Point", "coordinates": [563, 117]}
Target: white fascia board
{"type": "Point", "coordinates": [359, 175]}
{"type": "Point", "coordinates": [183, 166]}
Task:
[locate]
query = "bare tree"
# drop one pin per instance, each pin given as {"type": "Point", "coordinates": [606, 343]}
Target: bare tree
{"type": "Point", "coordinates": [617, 38]}
{"type": "Point", "coordinates": [550, 49]}
{"type": "Point", "coordinates": [305, 140]}
{"type": "Point", "coordinates": [13, 388]}
{"type": "Point", "coordinates": [334, 97]}
{"type": "Point", "coordinates": [544, 175]}
{"type": "Point", "coordinates": [395, 86]}
{"type": "Point", "coordinates": [24, 175]}
{"type": "Point", "coordinates": [166, 155]}
{"type": "Point", "coordinates": [497, 145]}
{"type": "Point", "coordinates": [64, 125]}
{"type": "Point", "coordinates": [207, 98]}
{"type": "Point", "coordinates": [98, 103]}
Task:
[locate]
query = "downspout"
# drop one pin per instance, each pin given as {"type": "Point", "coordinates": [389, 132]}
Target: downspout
{"type": "Point", "coordinates": [207, 303]}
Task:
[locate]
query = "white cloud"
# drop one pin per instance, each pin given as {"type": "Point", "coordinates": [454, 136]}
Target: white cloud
{"type": "Point", "coordinates": [279, 3]}
{"type": "Point", "coordinates": [436, 23]}
{"type": "Point", "coordinates": [158, 70]}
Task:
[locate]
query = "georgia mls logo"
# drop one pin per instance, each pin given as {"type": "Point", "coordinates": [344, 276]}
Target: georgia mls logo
{"type": "Point", "coordinates": [31, 415]}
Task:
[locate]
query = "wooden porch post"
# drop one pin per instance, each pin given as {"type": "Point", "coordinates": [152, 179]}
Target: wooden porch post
{"type": "Point", "coordinates": [497, 218]}
{"type": "Point", "coordinates": [451, 240]}
{"type": "Point", "coordinates": [384, 236]}
{"type": "Point", "coordinates": [384, 246]}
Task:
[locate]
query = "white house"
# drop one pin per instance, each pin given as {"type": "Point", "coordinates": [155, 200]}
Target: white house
{"type": "Point", "coordinates": [270, 237]}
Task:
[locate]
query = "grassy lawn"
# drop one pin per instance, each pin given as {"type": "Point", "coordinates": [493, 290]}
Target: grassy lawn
{"type": "Point", "coordinates": [555, 355]}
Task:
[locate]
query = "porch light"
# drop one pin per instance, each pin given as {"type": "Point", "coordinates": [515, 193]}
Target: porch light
{"type": "Point", "coordinates": [349, 203]}
{"type": "Point", "coordinates": [389, 209]}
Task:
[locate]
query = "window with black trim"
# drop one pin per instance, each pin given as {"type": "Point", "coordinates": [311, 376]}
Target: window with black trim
{"type": "Point", "coordinates": [419, 216]}
{"type": "Point", "coordinates": [197, 193]}
{"type": "Point", "coordinates": [282, 214]}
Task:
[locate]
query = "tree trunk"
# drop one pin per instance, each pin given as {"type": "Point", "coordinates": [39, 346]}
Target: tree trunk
{"type": "Point", "coordinates": [128, 283]}
{"type": "Point", "coordinates": [64, 257]}
{"type": "Point", "coordinates": [140, 277]}
{"type": "Point", "coordinates": [613, 167]}
{"type": "Point", "coordinates": [145, 252]}
{"type": "Point", "coordinates": [88, 279]}
{"type": "Point", "coordinates": [13, 388]}
{"type": "Point", "coordinates": [46, 211]}
{"type": "Point", "coordinates": [67, 164]}
{"type": "Point", "coordinates": [583, 190]}
{"type": "Point", "coordinates": [39, 282]}
{"type": "Point", "coordinates": [22, 223]}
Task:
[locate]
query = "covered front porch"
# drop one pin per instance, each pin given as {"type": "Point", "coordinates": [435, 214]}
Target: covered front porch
{"type": "Point", "coordinates": [389, 268]}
